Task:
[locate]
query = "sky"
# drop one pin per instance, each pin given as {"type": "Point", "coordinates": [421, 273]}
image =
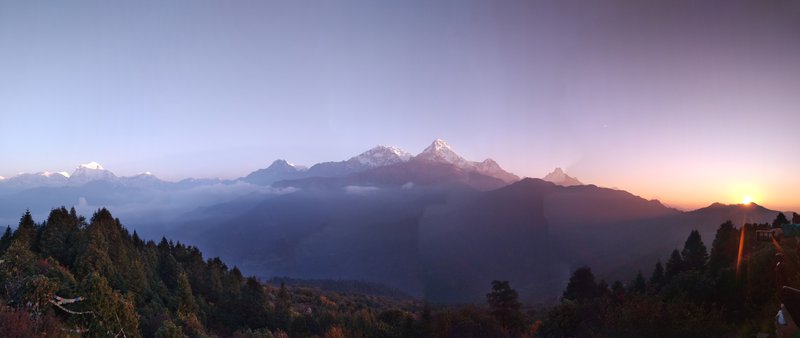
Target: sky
{"type": "Point", "coordinates": [688, 102]}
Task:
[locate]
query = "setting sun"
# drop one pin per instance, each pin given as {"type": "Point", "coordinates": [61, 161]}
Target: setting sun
{"type": "Point", "coordinates": [747, 200]}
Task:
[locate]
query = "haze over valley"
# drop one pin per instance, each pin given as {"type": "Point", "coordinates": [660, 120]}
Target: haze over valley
{"type": "Point", "coordinates": [434, 225]}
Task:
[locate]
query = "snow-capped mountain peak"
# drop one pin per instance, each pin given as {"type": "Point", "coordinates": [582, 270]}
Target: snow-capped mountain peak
{"type": "Point", "coordinates": [558, 176]}
{"type": "Point", "coordinates": [91, 165]}
{"type": "Point", "coordinates": [283, 165]}
{"type": "Point", "coordinates": [438, 145]}
{"type": "Point", "coordinates": [382, 156]}
{"type": "Point", "coordinates": [440, 151]}
{"type": "Point", "coordinates": [91, 171]}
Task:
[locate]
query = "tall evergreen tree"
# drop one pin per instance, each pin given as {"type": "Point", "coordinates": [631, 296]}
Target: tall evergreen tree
{"type": "Point", "coordinates": [602, 288]}
{"type": "Point", "coordinates": [724, 248]}
{"type": "Point", "coordinates": [639, 284]}
{"type": "Point", "coordinates": [283, 308]}
{"type": "Point", "coordinates": [59, 236]}
{"type": "Point", "coordinates": [780, 220]}
{"type": "Point", "coordinates": [254, 303]}
{"type": "Point", "coordinates": [657, 278]}
{"type": "Point", "coordinates": [674, 265]}
{"type": "Point", "coordinates": [505, 306]}
{"type": "Point", "coordinates": [112, 314]}
{"type": "Point", "coordinates": [5, 241]}
{"type": "Point", "coordinates": [581, 285]}
{"type": "Point", "coordinates": [26, 231]}
{"type": "Point", "coordinates": [694, 252]}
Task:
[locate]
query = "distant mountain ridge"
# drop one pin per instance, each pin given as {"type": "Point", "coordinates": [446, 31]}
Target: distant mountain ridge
{"type": "Point", "coordinates": [558, 176]}
{"type": "Point", "coordinates": [380, 156]}
{"type": "Point", "coordinates": [433, 224]}
{"type": "Point", "coordinates": [439, 152]}
{"type": "Point", "coordinates": [448, 235]}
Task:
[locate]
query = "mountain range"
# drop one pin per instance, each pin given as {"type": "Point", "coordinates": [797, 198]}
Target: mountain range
{"type": "Point", "coordinates": [433, 225]}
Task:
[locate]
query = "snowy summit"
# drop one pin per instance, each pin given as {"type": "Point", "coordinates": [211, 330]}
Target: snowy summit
{"type": "Point", "coordinates": [559, 177]}
{"type": "Point", "coordinates": [382, 156]}
{"type": "Point", "coordinates": [91, 171]}
{"type": "Point", "coordinates": [91, 165]}
{"type": "Point", "coordinates": [440, 151]}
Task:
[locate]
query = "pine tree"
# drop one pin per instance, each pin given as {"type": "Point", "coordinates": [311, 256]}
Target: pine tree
{"type": "Point", "coordinates": [5, 241]}
{"type": "Point", "coordinates": [780, 220]}
{"type": "Point", "coordinates": [505, 306]}
{"type": "Point", "coordinates": [724, 248]}
{"type": "Point", "coordinates": [674, 265]}
{"type": "Point", "coordinates": [694, 252]}
{"type": "Point", "coordinates": [254, 303]}
{"type": "Point", "coordinates": [581, 285]}
{"type": "Point", "coordinates": [283, 308]}
{"type": "Point", "coordinates": [602, 288]}
{"type": "Point", "coordinates": [639, 284]}
{"type": "Point", "coordinates": [26, 231]}
{"type": "Point", "coordinates": [59, 236]}
{"type": "Point", "coordinates": [112, 314]}
{"type": "Point", "coordinates": [657, 279]}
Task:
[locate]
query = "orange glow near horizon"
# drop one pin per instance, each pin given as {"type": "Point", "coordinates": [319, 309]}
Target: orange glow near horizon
{"type": "Point", "coordinates": [690, 194]}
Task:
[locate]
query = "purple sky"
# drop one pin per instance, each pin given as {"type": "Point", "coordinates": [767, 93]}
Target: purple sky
{"type": "Point", "coordinates": [686, 101]}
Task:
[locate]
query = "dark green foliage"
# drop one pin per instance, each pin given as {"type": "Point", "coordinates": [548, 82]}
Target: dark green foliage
{"type": "Point", "coordinates": [687, 298]}
{"type": "Point", "coordinates": [283, 315]}
{"type": "Point", "coordinates": [254, 303]}
{"type": "Point", "coordinates": [694, 252]}
{"type": "Point", "coordinates": [602, 288]}
{"type": "Point", "coordinates": [168, 329]}
{"type": "Point", "coordinates": [124, 284]}
{"type": "Point", "coordinates": [639, 285]}
{"type": "Point", "coordinates": [467, 322]}
{"type": "Point", "coordinates": [60, 235]}
{"type": "Point", "coordinates": [26, 232]}
{"type": "Point", "coordinates": [5, 241]}
{"type": "Point", "coordinates": [724, 248]}
{"type": "Point", "coordinates": [674, 265]}
{"type": "Point", "coordinates": [157, 290]}
{"type": "Point", "coordinates": [780, 220]}
{"type": "Point", "coordinates": [505, 306]}
{"type": "Point", "coordinates": [657, 279]}
{"type": "Point", "coordinates": [581, 285]}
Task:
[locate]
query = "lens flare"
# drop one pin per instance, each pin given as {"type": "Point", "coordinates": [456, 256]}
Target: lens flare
{"type": "Point", "coordinates": [741, 248]}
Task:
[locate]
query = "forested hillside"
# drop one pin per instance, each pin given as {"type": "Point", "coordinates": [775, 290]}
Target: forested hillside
{"type": "Point", "coordinates": [729, 291]}
{"type": "Point", "coordinates": [68, 276]}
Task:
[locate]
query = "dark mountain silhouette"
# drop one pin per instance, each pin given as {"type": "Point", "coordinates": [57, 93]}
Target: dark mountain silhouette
{"type": "Point", "coordinates": [446, 241]}
{"type": "Point", "coordinates": [434, 224]}
{"type": "Point", "coordinates": [617, 248]}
